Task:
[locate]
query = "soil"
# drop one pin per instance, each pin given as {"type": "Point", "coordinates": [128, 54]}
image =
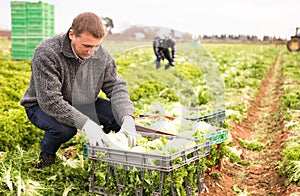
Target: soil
{"type": "Point", "coordinates": [265, 123]}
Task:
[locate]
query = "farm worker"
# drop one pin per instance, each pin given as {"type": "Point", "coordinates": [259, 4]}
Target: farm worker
{"type": "Point", "coordinates": [161, 45]}
{"type": "Point", "coordinates": [68, 73]}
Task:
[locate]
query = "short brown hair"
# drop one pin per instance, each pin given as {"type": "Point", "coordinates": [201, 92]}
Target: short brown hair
{"type": "Point", "coordinates": [88, 22]}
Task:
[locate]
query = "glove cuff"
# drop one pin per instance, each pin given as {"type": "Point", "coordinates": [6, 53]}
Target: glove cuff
{"type": "Point", "coordinates": [127, 117]}
{"type": "Point", "coordinates": [86, 124]}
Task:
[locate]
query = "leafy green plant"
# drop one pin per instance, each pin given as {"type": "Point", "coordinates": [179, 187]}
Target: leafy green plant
{"type": "Point", "coordinates": [290, 165]}
{"type": "Point", "coordinates": [234, 157]}
{"type": "Point", "coordinates": [20, 175]}
{"type": "Point", "coordinates": [291, 169]}
{"type": "Point", "coordinates": [240, 192]}
{"type": "Point", "coordinates": [152, 90]}
{"type": "Point", "coordinates": [216, 175]}
{"type": "Point", "coordinates": [251, 145]}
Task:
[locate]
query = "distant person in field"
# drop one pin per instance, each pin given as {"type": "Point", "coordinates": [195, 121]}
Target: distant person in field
{"type": "Point", "coordinates": [161, 46]}
{"type": "Point", "coordinates": [68, 73]}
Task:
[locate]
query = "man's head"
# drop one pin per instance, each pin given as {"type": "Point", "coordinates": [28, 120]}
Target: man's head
{"type": "Point", "coordinates": [86, 34]}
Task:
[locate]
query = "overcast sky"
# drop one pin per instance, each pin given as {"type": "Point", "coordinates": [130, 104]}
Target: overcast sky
{"type": "Point", "coordinates": [198, 17]}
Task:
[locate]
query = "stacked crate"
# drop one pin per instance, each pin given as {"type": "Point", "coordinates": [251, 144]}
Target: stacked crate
{"type": "Point", "coordinates": [32, 22]}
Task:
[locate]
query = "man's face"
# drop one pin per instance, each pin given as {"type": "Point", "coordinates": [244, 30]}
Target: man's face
{"type": "Point", "coordinates": [85, 44]}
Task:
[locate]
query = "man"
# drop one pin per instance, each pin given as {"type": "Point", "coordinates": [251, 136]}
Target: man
{"type": "Point", "coordinates": [161, 45]}
{"type": "Point", "coordinates": [68, 72]}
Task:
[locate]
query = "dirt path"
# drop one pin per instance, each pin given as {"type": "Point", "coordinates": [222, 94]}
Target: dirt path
{"type": "Point", "coordinates": [264, 124]}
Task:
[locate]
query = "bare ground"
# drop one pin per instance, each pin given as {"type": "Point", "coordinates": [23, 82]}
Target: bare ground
{"type": "Point", "coordinates": [265, 123]}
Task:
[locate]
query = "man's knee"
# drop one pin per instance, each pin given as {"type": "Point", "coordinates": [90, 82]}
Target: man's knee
{"type": "Point", "coordinates": [67, 134]}
{"type": "Point", "coordinates": [63, 133]}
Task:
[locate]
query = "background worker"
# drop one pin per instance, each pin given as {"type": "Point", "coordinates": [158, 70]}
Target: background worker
{"type": "Point", "coordinates": [161, 45]}
{"type": "Point", "coordinates": [68, 73]}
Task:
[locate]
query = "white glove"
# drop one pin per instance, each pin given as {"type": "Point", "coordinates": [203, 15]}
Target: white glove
{"type": "Point", "coordinates": [128, 127]}
{"type": "Point", "coordinates": [95, 134]}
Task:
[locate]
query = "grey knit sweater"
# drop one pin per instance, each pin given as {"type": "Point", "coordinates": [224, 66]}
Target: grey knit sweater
{"type": "Point", "coordinates": [59, 82]}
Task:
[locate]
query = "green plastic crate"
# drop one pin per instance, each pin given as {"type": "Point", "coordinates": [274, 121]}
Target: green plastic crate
{"type": "Point", "coordinates": [18, 31]}
{"type": "Point", "coordinates": [19, 40]}
{"type": "Point", "coordinates": [19, 21]}
{"type": "Point", "coordinates": [36, 5]}
{"type": "Point", "coordinates": [216, 137]}
{"type": "Point", "coordinates": [18, 14]}
{"type": "Point", "coordinates": [35, 40]}
{"type": "Point", "coordinates": [19, 54]}
{"type": "Point", "coordinates": [38, 13]}
{"type": "Point", "coordinates": [18, 5]}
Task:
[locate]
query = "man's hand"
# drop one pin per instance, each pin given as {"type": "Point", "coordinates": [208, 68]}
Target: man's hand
{"type": "Point", "coordinates": [95, 134]}
{"type": "Point", "coordinates": [128, 127]}
{"type": "Point", "coordinates": [172, 62]}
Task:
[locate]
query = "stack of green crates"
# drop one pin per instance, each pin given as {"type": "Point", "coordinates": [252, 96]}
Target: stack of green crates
{"type": "Point", "coordinates": [32, 22]}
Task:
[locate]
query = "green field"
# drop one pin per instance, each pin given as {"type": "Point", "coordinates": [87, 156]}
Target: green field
{"type": "Point", "coordinates": [207, 77]}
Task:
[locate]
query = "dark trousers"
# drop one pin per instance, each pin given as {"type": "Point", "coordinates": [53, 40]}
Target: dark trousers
{"type": "Point", "coordinates": [165, 53]}
{"type": "Point", "coordinates": [57, 133]}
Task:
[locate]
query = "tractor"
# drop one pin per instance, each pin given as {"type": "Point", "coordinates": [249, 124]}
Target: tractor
{"type": "Point", "coordinates": [294, 43]}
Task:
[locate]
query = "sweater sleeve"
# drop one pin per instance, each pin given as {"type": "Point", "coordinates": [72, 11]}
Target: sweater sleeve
{"type": "Point", "coordinates": [46, 75]}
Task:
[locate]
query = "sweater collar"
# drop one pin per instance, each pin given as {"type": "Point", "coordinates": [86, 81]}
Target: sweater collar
{"type": "Point", "coordinates": [66, 46]}
{"type": "Point", "coordinates": [76, 56]}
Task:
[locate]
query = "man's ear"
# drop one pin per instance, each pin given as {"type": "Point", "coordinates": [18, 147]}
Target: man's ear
{"type": "Point", "coordinates": [71, 34]}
